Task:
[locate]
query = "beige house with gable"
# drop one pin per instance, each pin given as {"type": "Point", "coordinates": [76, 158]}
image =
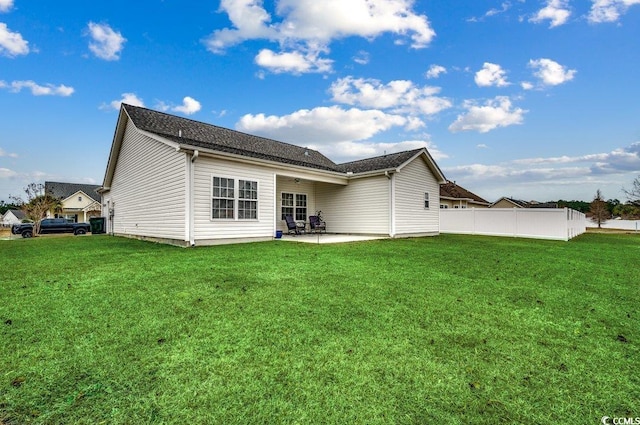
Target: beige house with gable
{"type": "Point", "coordinates": [79, 202]}
{"type": "Point", "coordinates": [190, 183]}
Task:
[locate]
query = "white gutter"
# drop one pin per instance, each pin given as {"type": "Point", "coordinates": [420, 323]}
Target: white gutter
{"type": "Point", "coordinates": [392, 201]}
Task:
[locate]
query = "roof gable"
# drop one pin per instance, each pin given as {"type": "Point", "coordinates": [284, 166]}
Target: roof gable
{"type": "Point", "coordinates": [515, 202]}
{"type": "Point", "coordinates": [453, 190]}
{"type": "Point", "coordinates": [19, 214]}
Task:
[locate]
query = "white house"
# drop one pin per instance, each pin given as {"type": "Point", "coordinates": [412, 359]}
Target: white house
{"type": "Point", "coordinates": [12, 217]}
{"type": "Point", "coordinates": [190, 183]}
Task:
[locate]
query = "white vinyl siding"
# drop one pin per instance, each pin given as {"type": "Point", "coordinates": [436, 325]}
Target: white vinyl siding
{"type": "Point", "coordinates": [206, 228]}
{"type": "Point", "coordinates": [361, 207]}
{"type": "Point", "coordinates": [148, 188]}
{"type": "Point", "coordinates": [411, 184]}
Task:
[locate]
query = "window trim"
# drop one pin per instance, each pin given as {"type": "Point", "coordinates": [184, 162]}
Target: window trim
{"type": "Point", "coordinates": [426, 201]}
{"type": "Point", "coordinates": [236, 198]}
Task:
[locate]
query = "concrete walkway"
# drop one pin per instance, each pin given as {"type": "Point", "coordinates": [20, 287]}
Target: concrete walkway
{"type": "Point", "coordinates": [328, 238]}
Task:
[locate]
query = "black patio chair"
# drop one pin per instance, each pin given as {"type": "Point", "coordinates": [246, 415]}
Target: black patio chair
{"type": "Point", "coordinates": [316, 225]}
{"type": "Point", "coordinates": [292, 226]}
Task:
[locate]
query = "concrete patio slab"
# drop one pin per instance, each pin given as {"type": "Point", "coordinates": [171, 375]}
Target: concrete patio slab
{"type": "Point", "coordinates": [328, 238]}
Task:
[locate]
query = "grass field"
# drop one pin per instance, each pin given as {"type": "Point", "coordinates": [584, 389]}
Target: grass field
{"type": "Point", "coordinates": [450, 329]}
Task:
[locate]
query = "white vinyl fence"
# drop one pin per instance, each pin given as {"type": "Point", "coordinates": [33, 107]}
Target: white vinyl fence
{"type": "Point", "coordinates": [540, 223]}
{"type": "Point", "coordinates": [619, 224]}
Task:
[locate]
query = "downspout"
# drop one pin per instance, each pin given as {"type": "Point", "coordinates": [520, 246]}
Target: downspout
{"type": "Point", "coordinates": [190, 195]}
{"type": "Point", "coordinates": [392, 203]}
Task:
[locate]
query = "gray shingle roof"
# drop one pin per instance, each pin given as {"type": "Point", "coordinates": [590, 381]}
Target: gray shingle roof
{"type": "Point", "coordinates": [384, 162]}
{"type": "Point", "coordinates": [64, 190]}
{"type": "Point", "coordinates": [198, 134]}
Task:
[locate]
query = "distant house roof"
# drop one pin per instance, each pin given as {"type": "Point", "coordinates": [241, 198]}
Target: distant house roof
{"type": "Point", "coordinates": [454, 191]}
{"type": "Point", "coordinates": [19, 214]}
{"type": "Point", "coordinates": [195, 134]}
{"type": "Point", "coordinates": [518, 203]}
{"type": "Point", "coordinates": [64, 190]}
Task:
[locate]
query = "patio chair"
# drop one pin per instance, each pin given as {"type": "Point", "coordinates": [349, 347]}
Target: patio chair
{"type": "Point", "coordinates": [316, 225]}
{"type": "Point", "coordinates": [292, 226]}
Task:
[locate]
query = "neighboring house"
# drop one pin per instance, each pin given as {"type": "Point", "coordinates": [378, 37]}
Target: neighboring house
{"type": "Point", "coordinates": [454, 196]}
{"type": "Point", "coordinates": [186, 182]}
{"type": "Point", "coordinates": [12, 217]}
{"type": "Point", "coordinates": [505, 202]}
{"type": "Point", "coordinates": [79, 202]}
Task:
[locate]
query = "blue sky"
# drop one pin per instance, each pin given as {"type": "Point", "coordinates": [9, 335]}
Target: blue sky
{"type": "Point", "coordinates": [532, 99]}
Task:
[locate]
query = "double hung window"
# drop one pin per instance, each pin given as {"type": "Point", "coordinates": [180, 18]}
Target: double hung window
{"type": "Point", "coordinates": [295, 205]}
{"type": "Point", "coordinates": [227, 198]}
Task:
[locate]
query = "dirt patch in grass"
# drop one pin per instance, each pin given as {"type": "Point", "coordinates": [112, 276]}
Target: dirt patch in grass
{"type": "Point", "coordinates": [612, 231]}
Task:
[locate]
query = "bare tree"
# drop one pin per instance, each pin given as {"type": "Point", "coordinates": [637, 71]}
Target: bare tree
{"type": "Point", "coordinates": [37, 204]}
{"type": "Point", "coordinates": [598, 210]}
{"type": "Point", "coordinates": [633, 194]}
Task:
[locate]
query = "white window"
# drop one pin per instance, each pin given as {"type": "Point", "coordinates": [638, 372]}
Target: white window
{"type": "Point", "coordinates": [226, 199]}
{"type": "Point", "coordinates": [426, 200]}
{"type": "Point", "coordinates": [247, 200]}
{"type": "Point", "coordinates": [294, 204]}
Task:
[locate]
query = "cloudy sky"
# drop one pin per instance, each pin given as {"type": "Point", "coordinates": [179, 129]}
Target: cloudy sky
{"type": "Point", "coordinates": [532, 99]}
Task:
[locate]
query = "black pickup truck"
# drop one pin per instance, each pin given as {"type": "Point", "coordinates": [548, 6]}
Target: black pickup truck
{"type": "Point", "coordinates": [51, 225]}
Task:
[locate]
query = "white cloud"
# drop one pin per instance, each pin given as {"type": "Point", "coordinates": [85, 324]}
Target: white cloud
{"type": "Point", "coordinates": [482, 146]}
{"type": "Point", "coordinates": [619, 160]}
{"type": "Point", "coordinates": [107, 44]}
{"type": "Point", "coordinates": [505, 6]}
{"type": "Point", "coordinates": [309, 26]}
{"type": "Point", "coordinates": [553, 177]}
{"type": "Point", "coordinates": [493, 114]}
{"type": "Point", "coordinates": [189, 106]}
{"type": "Point", "coordinates": [128, 98]}
{"type": "Point", "coordinates": [491, 74]}
{"type": "Point", "coordinates": [6, 173]}
{"type": "Point", "coordinates": [11, 43]}
{"type": "Point", "coordinates": [293, 62]}
{"type": "Point", "coordinates": [322, 125]}
{"type": "Point", "coordinates": [400, 96]}
{"type": "Point", "coordinates": [362, 58]}
{"type": "Point", "coordinates": [6, 5]}
{"type": "Point", "coordinates": [609, 10]}
{"type": "Point", "coordinates": [7, 154]}
{"type": "Point", "coordinates": [555, 11]}
{"type": "Point", "coordinates": [435, 71]}
{"type": "Point", "coordinates": [551, 73]}
{"type": "Point", "coordinates": [526, 85]}
{"type": "Point", "coordinates": [38, 90]}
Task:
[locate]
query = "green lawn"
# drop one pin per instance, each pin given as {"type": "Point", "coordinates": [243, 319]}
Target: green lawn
{"type": "Point", "coordinates": [450, 329]}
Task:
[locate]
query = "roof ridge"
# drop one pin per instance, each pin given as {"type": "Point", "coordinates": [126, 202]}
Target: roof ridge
{"type": "Point", "coordinates": [125, 105]}
{"type": "Point", "coordinates": [386, 155]}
